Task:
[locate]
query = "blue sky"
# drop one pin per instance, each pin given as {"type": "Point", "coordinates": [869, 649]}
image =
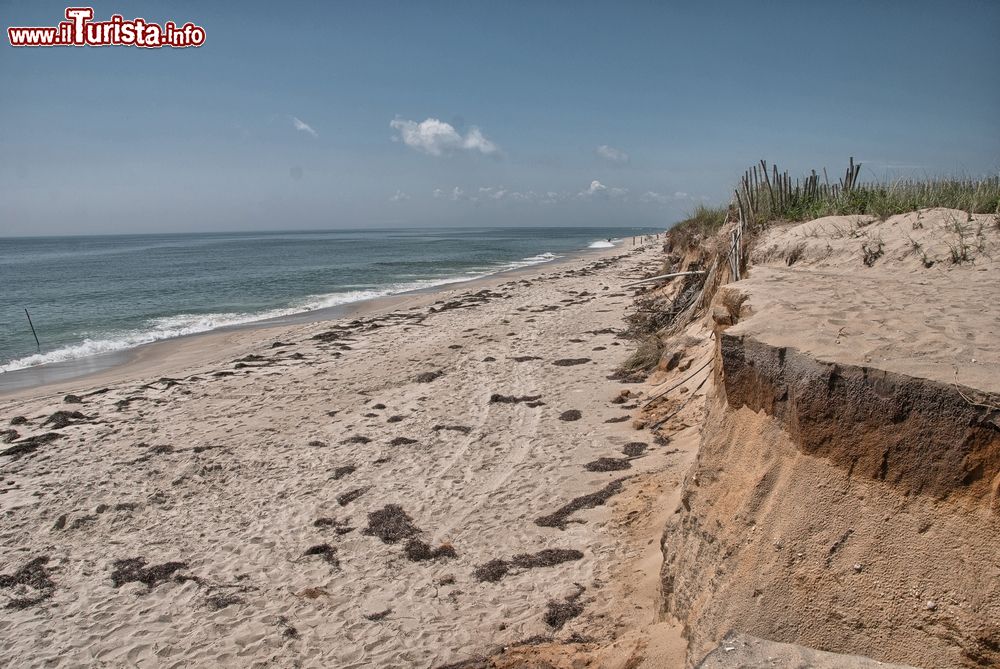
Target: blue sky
{"type": "Point", "coordinates": [302, 115]}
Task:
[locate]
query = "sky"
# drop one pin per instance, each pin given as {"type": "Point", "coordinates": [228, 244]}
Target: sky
{"type": "Point", "coordinates": [391, 114]}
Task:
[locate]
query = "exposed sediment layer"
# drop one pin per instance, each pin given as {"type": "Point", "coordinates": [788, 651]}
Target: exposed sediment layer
{"type": "Point", "coordinates": [847, 509]}
{"type": "Point", "coordinates": [921, 436]}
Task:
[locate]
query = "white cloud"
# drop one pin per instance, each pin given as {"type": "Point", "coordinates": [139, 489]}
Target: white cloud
{"type": "Point", "coordinates": [551, 197]}
{"type": "Point", "coordinates": [501, 194]}
{"type": "Point", "coordinates": [399, 196]}
{"type": "Point", "coordinates": [436, 138]}
{"type": "Point", "coordinates": [612, 154]}
{"type": "Point", "coordinates": [303, 126]}
{"type": "Point", "coordinates": [492, 192]}
{"type": "Point", "coordinates": [595, 188]}
{"type": "Point", "coordinates": [653, 197]}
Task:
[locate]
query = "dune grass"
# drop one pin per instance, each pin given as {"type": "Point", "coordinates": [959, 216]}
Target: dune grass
{"type": "Point", "coordinates": [703, 222]}
{"type": "Point", "coordinates": [765, 196]}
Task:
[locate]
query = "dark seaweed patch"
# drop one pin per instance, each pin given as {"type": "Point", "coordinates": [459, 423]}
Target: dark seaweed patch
{"type": "Point", "coordinates": [569, 362]}
{"type": "Point", "coordinates": [30, 445]}
{"type": "Point", "coordinates": [560, 517]}
{"type": "Point", "coordinates": [419, 551]}
{"type": "Point", "coordinates": [496, 569]}
{"type": "Point", "coordinates": [338, 526]}
{"type": "Point", "coordinates": [427, 377]}
{"type": "Point", "coordinates": [608, 465]}
{"type": "Point", "coordinates": [559, 613]}
{"type": "Point", "coordinates": [571, 415]}
{"type": "Point", "coordinates": [390, 524]}
{"type": "Point", "coordinates": [464, 429]}
{"type": "Point", "coordinates": [134, 570]}
{"type": "Point", "coordinates": [346, 498]}
{"type": "Point", "coordinates": [496, 398]}
{"type": "Point", "coordinates": [62, 419]}
{"type": "Point", "coordinates": [634, 448]}
{"type": "Point", "coordinates": [341, 472]}
{"type": "Point", "coordinates": [219, 601]}
{"type": "Point", "coordinates": [325, 551]}
{"type": "Point", "coordinates": [492, 571]}
{"type": "Point", "coordinates": [33, 575]}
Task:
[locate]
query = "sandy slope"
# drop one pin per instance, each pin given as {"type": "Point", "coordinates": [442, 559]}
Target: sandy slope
{"type": "Point", "coordinates": [227, 468]}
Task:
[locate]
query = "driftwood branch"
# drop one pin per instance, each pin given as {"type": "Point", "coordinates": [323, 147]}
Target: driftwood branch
{"type": "Point", "coordinates": [660, 277]}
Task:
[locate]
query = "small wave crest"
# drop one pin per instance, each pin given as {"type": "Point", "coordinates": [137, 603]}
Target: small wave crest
{"type": "Point", "coordinates": [602, 244]}
{"type": "Point", "coordinates": [179, 325]}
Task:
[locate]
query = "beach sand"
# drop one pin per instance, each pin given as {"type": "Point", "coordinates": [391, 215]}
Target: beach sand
{"type": "Point", "coordinates": [327, 494]}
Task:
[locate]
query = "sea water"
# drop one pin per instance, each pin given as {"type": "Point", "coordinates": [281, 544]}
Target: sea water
{"type": "Point", "coordinates": [100, 294]}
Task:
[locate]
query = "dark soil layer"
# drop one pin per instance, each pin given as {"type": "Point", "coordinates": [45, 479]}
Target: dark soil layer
{"type": "Point", "coordinates": [920, 435]}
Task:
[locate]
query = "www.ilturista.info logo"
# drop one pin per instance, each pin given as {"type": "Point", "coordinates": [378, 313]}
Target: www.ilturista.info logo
{"type": "Point", "coordinates": [80, 30]}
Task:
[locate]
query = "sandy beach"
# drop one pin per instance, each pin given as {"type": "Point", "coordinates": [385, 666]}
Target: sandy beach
{"type": "Point", "coordinates": [414, 486]}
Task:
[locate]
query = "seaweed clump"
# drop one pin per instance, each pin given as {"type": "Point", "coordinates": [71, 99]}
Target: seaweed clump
{"type": "Point", "coordinates": [390, 524]}
{"type": "Point", "coordinates": [497, 398]}
{"type": "Point", "coordinates": [558, 613]}
{"type": "Point", "coordinates": [420, 551]}
{"type": "Point", "coordinates": [30, 445]}
{"type": "Point", "coordinates": [607, 465]}
{"type": "Point", "coordinates": [134, 570]}
{"type": "Point", "coordinates": [325, 551]}
{"type": "Point", "coordinates": [496, 569]}
{"type": "Point", "coordinates": [560, 517]}
{"type": "Point", "coordinates": [32, 575]}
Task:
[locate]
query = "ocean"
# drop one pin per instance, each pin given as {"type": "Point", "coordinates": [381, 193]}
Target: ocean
{"type": "Point", "coordinates": [95, 295]}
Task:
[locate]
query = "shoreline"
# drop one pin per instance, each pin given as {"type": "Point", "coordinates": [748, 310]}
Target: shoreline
{"type": "Point", "coordinates": [158, 356]}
